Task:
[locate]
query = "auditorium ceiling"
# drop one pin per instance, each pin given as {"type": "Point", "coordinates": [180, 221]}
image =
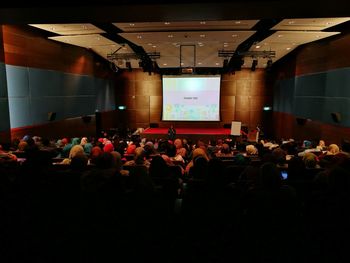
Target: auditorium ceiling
{"type": "Point", "coordinates": [187, 34]}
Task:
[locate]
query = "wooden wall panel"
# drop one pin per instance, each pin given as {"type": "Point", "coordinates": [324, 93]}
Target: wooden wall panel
{"type": "Point", "coordinates": [142, 102]}
{"type": "Point", "coordinates": [243, 87]}
{"type": "Point", "coordinates": [29, 47]}
{"type": "Point", "coordinates": [155, 102]}
{"type": "Point", "coordinates": [243, 116]}
{"type": "Point", "coordinates": [227, 115]}
{"type": "Point", "coordinates": [228, 102]}
{"type": "Point", "coordinates": [287, 127]}
{"type": "Point", "coordinates": [155, 115]}
{"type": "Point", "coordinates": [242, 103]}
{"type": "Point", "coordinates": [256, 103]}
{"type": "Point", "coordinates": [228, 88]}
{"type": "Point", "coordinates": [148, 88]}
{"type": "Point", "coordinates": [142, 116]}
{"type": "Point", "coordinates": [58, 129]}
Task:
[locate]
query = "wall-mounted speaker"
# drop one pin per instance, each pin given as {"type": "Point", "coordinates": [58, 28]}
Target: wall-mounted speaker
{"type": "Point", "coordinates": [301, 121]}
{"type": "Point", "coordinates": [153, 125]}
{"type": "Point", "coordinates": [51, 116]}
{"type": "Point", "coordinates": [336, 117]}
{"type": "Point", "coordinates": [86, 119]}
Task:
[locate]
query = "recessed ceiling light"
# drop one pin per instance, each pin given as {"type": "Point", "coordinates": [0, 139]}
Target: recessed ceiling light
{"type": "Point", "coordinates": [217, 64]}
{"type": "Point", "coordinates": [154, 46]}
{"type": "Point", "coordinates": [291, 22]}
{"type": "Point", "coordinates": [202, 35]}
{"type": "Point", "coordinates": [199, 63]}
{"type": "Point", "coordinates": [234, 35]}
{"type": "Point", "coordinates": [166, 23]}
{"type": "Point", "coordinates": [257, 46]}
{"type": "Point", "coordinates": [182, 63]}
{"type": "Point", "coordinates": [170, 36]}
{"type": "Point", "coordinates": [288, 48]}
{"type": "Point", "coordinates": [124, 48]}
{"type": "Point", "coordinates": [165, 64]}
{"type": "Point", "coordinates": [139, 36]}
{"type": "Point", "coordinates": [202, 22]}
{"type": "Point", "coordinates": [329, 23]}
{"type": "Point", "coordinates": [84, 27]}
{"type": "Point", "coordinates": [280, 36]}
{"type": "Point", "coordinates": [131, 24]}
{"type": "Point", "coordinates": [237, 22]}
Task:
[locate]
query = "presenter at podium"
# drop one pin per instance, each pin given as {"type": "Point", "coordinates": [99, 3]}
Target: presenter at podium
{"type": "Point", "coordinates": [171, 133]}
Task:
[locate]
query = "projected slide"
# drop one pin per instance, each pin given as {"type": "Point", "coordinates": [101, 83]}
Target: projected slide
{"type": "Point", "coordinates": [191, 98]}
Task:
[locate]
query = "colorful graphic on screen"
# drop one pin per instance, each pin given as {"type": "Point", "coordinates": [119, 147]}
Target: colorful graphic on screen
{"type": "Point", "coordinates": [191, 98]}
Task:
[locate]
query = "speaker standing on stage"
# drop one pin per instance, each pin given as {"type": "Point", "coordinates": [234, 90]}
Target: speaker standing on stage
{"type": "Point", "coordinates": [171, 133]}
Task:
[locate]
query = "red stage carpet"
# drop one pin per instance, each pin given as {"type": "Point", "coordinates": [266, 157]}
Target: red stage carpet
{"type": "Point", "coordinates": [204, 131]}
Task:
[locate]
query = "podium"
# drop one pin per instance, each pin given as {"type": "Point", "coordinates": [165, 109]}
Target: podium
{"type": "Point", "coordinates": [236, 128]}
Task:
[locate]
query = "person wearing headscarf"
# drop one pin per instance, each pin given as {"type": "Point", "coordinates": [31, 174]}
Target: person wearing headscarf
{"type": "Point", "coordinates": [310, 160]}
{"type": "Point", "coordinates": [139, 158]}
{"type": "Point", "coordinates": [75, 150]}
{"type": "Point", "coordinates": [22, 145]}
{"type": "Point", "coordinates": [108, 147]}
{"type": "Point", "coordinates": [95, 154]}
{"type": "Point", "coordinates": [196, 152]}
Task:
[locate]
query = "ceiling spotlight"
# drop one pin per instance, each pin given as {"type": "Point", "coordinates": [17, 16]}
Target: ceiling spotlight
{"type": "Point", "coordinates": [254, 64]}
{"type": "Point", "coordinates": [128, 65]}
{"type": "Point", "coordinates": [113, 67]}
{"type": "Point", "coordinates": [269, 64]}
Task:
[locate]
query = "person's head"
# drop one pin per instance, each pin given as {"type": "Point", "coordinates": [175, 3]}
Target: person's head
{"type": "Point", "coordinates": [117, 160]}
{"type": "Point", "coordinates": [83, 141]}
{"type": "Point", "coordinates": [225, 148]}
{"type": "Point", "coordinates": [139, 155]}
{"type": "Point", "coordinates": [79, 161]}
{"type": "Point", "coordinates": [158, 166]}
{"type": "Point", "coordinates": [321, 143]}
{"type": "Point", "coordinates": [333, 149]}
{"type": "Point", "coordinates": [22, 145]}
{"type": "Point", "coordinates": [251, 150]}
{"type": "Point", "coordinates": [108, 147]}
{"type": "Point", "coordinates": [270, 177]}
{"type": "Point", "coordinates": [178, 143]}
{"type": "Point", "coordinates": [105, 161]}
{"type": "Point", "coordinates": [95, 153]}
{"type": "Point", "coordinates": [199, 152]}
{"type": "Point", "coordinates": [76, 150]}
{"type": "Point", "coordinates": [310, 160]}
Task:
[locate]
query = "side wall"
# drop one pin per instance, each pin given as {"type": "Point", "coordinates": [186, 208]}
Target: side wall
{"type": "Point", "coordinates": [318, 86]}
{"type": "Point", "coordinates": [43, 77]}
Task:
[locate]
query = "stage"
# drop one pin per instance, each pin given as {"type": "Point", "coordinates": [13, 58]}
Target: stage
{"type": "Point", "coordinates": [193, 134]}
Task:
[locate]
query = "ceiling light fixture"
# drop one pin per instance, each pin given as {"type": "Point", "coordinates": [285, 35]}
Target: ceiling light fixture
{"type": "Point", "coordinates": [254, 64]}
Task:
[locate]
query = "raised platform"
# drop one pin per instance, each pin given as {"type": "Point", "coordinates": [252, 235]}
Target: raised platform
{"type": "Point", "coordinates": [193, 134]}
